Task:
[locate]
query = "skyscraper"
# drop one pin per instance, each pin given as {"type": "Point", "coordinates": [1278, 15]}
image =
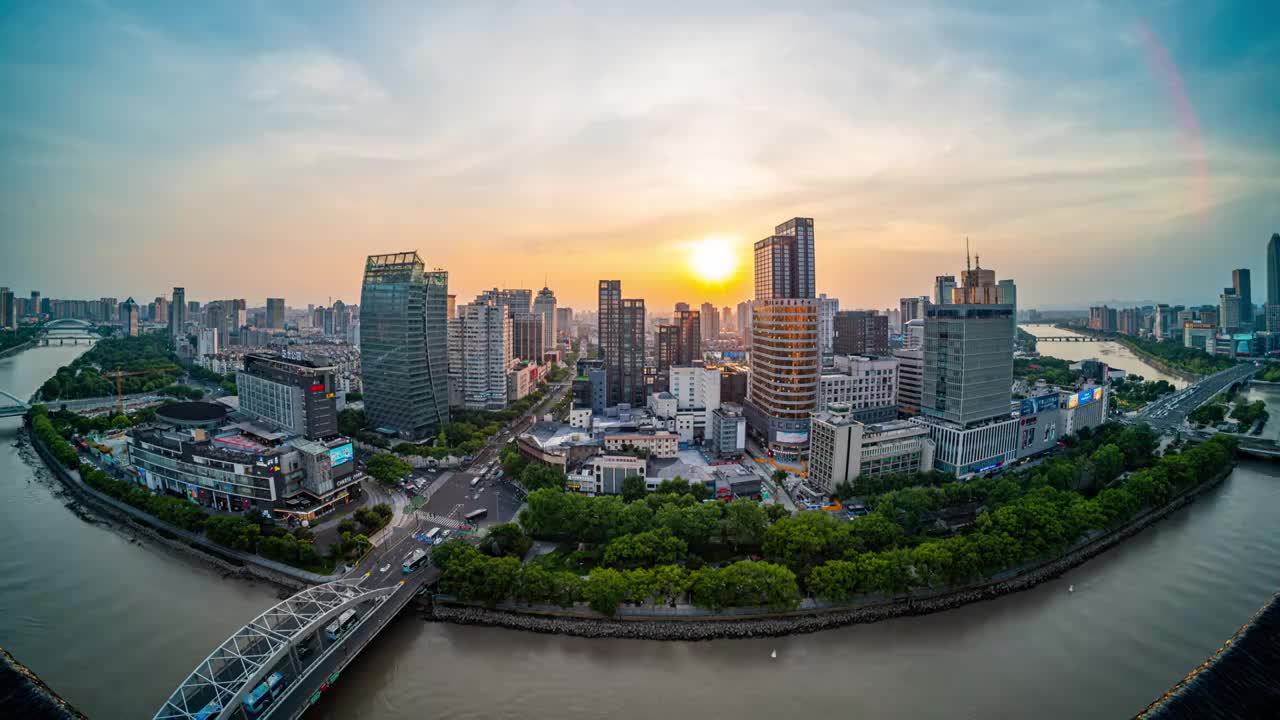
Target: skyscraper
{"type": "Point", "coordinates": [784, 262]}
{"type": "Point", "coordinates": [744, 319]}
{"type": "Point", "coordinates": [827, 309]}
{"type": "Point", "coordinates": [1244, 290]}
{"type": "Point", "coordinates": [1273, 270]}
{"type": "Point", "coordinates": [943, 286]}
{"type": "Point", "coordinates": [786, 353]}
{"type": "Point", "coordinates": [404, 346]}
{"type": "Point", "coordinates": [34, 309]}
{"type": "Point", "coordinates": [8, 309]}
{"type": "Point", "coordinates": [913, 308]}
{"type": "Point", "coordinates": [178, 312]}
{"type": "Point", "coordinates": [129, 317]}
{"type": "Point", "coordinates": [668, 339]}
{"type": "Point", "coordinates": [545, 305]}
{"type": "Point", "coordinates": [710, 322]}
{"type": "Point", "coordinates": [527, 336]}
{"type": "Point", "coordinates": [688, 348]}
{"type": "Point", "coordinates": [621, 332]}
{"type": "Point", "coordinates": [275, 314]}
{"type": "Point", "coordinates": [1229, 312]}
{"type": "Point", "coordinates": [968, 362]}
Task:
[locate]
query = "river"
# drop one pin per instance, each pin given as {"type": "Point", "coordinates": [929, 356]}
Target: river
{"type": "Point", "coordinates": [113, 626]}
{"type": "Point", "coordinates": [1114, 354]}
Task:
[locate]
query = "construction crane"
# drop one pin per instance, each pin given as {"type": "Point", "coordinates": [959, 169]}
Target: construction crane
{"type": "Point", "coordinates": [118, 374]}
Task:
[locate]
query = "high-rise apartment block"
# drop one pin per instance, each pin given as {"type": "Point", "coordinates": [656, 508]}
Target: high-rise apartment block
{"type": "Point", "coordinates": [621, 331]}
{"type": "Point", "coordinates": [827, 310]}
{"type": "Point", "coordinates": [1103, 318]}
{"type": "Point", "coordinates": [859, 332]}
{"type": "Point", "coordinates": [178, 313]}
{"type": "Point", "coordinates": [275, 313]}
{"type": "Point", "coordinates": [784, 266]}
{"type": "Point", "coordinates": [130, 318]}
{"type": "Point", "coordinates": [404, 346]}
{"type": "Point", "coordinates": [545, 305]}
{"type": "Point", "coordinates": [710, 322]}
{"type": "Point", "coordinates": [8, 309]}
{"type": "Point", "coordinates": [481, 339]}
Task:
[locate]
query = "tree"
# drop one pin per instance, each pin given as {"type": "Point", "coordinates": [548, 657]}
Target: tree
{"type": "Point", "coordinates": [844, 490]}
{"type": "Point", "coordinates": [696, 524]}
{"type": "Point", "coordinates": [747, 584]}
{"type": "Point", "coordinates": [646, 549]}
{"type": "Point", "coordinates": [121, 422]}
{"type": "Point", "coordinates": [876, 532]}
{"type": "Point", "coordinates": [507, 539]}
{"type": "Point", "coordinates": [605, 590]}
{"type": "Point", "coordinates": [779, 476]}
{"type": "Point", "coordinates": [633, 488]}
{"type": "Point", "coordinates": [387, 468]}
{"type": "Point", "coordinates": [804, 541]}
{"type": "Point", "coordinates": [671, 582]}
{"type": "Point", "coordinates": [537, 476]}
{"type": "Point", "coordinates": [1108, 463]}
{"type": "Point", "coordinates": [745, 523]}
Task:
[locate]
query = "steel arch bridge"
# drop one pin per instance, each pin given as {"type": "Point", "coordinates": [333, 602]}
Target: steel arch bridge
{"type": "Point", "coordinates": [244, 660]}
{"type": "Point", "coordinates": [68, 323]}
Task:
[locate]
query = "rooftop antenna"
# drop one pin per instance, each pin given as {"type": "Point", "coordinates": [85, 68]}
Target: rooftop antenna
{"type": "Point", "coordinates": [966, 254]}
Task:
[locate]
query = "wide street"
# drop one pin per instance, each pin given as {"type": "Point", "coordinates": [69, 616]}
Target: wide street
{"type": "Point", "coordinates": [1168, 413]}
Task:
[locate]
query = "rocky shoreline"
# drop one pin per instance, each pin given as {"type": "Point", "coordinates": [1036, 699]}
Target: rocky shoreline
{"type": "Point", "coordinates": [25, 695]}
{"type": "Point", "coordinates": [721, 627]}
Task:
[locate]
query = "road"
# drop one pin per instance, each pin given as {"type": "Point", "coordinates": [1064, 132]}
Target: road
{"type": "Point", "coordinates": [1169, 412]}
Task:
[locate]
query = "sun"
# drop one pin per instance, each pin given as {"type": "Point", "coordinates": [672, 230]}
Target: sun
{"type": "Point", "coordinates": [713, 259]}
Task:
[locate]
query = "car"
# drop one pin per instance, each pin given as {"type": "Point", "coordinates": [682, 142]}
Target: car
{"type": "Point", "coordinates": [445, 533]}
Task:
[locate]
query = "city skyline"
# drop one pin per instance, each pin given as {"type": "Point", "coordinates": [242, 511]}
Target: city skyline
{"type": "Point", "coordinates": [1137, 139]}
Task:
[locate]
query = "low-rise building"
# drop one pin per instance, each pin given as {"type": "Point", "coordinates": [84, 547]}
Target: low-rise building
{"type": "Point", "coordinates": [728, 431]}
{"type": "Point", "coordinates": [842, 449]}
{"type": "Point", "coordinates": [867, 386]}
{"type": "Point", "coordinates": [660, 444]}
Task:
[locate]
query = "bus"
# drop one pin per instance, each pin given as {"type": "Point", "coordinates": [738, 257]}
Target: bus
{"type": "Point", "coordinates": [415, 560]}
{"type": "Point", "coordinates": [266, 693]}
{"type": "Point", "coordinates": [208, 711]}
{"type": "Point", "coordinates": [432, 533]}
{"type": "Point", "coordinates": [475, 515]}
{"type": "Point", "coordinates": [342, 625]}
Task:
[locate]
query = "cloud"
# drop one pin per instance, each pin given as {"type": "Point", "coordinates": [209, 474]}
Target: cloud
{"type": "Point", "coordinates": [309, 82]}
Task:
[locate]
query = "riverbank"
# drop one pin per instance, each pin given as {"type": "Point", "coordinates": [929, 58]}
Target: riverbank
{"type": "Point", "coordinates": [190, 545]}
{"type": "Point", "coordinates": [24, 694]}
{"type": "Point", "coordinates": [709, 626]}
{"type": "Point", "coordinates": [1133, 347]}
{"type": "Point", "coordinates": [1236, 681]}
{"type": "Point", "coordinates": [17, 349]}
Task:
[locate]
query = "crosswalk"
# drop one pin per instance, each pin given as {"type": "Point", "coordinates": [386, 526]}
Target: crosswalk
{"type": "Point", "coordinates": [442, 521]}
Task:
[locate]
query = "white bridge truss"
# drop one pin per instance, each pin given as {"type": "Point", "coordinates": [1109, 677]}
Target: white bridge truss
{"type": "Point", "coordinates": [243, 659]}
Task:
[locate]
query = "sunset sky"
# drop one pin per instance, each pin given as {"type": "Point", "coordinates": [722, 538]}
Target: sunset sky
{"type": "Point", "coordinates": [1091, 151]}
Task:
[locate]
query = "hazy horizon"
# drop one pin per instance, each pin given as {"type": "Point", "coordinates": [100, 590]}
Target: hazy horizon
{"type": "Point", "coordinates": [245, 150]}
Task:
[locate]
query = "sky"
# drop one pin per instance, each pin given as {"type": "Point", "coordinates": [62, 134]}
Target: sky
{"type": "Point", "coordinates": [1091, 151]}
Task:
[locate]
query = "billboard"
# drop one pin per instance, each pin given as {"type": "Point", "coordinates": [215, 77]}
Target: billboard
{"type": "Point", "coordinates": [341, 454]}
{"type": "Point", "coordinates": [1084, 397]}
{"type": "Point", "coordinates": [791, 437]}
{"type": "Point", "coordinates": [1039, 404]}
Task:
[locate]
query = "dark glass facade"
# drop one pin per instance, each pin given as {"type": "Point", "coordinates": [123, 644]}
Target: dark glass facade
{"type": "Point", "coordinates": [404, 345]}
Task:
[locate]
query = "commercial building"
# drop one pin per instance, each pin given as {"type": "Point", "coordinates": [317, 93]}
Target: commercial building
{"type": "Point", "coordinates": [522, 380]}
{"type": "Point", "coordinates": [545, 305]}
{"type": "Point", "coordinates": [404, 345]}
{"type": "Point", "coordinates": [1243, 286]}
{"type": "Point", "coordinates": [913, 334]}
{"type": "Point", "coordinates": [968, 364]}
{"type": "Point", "coordinates": [910, 380]}
{"type": "Point", "coordinates": [859, 332]}
{"type": "Point", "coordinates": [238, 467]}
{"type": "Point", "coordinates": [608, 472]}
{"type": "Point", "coordinates": [843, 449]}
{"type": "Point", "coordinates": [621, 332]}
{"type": "Point", "coordinates": [1129, 321]}
{"type": "Point", "coordinates": [1199, 336]}
{"type": "Point", "coordinates": [943, 287]}
{"type": "Point", "coordinates": [913, 308]}
{"type": "Point", "coordinates": [1272, 318]}
{"type": "Point", "coordinates": [275, 313]}
{"type": "Point", "coordinates": [292, 395]}
{"type": "Point", "coordinates": [688, 341]}
{"type": "Point", "coordinates": [8, 309]}
{"type": "Point", "coordinates": [207, 342]}
{"type": "Point", "coordinates": [867, 387]}
{"type": "Point", "coordinates": [733, 383]}
{"type": "Point", "coordinates": [786, 354]}
{"type": "Point", "coordinates": [1229, 311]}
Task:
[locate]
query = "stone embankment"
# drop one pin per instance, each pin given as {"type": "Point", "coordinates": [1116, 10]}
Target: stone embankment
{"type": "Point", "coordinates": [710, 626]}
{"type": "Point", "coordinates": [24, 695]}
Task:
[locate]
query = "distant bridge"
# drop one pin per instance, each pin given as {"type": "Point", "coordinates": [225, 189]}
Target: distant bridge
{"type": "Point", "coordinates": [68, 324]}
{"type": "Point", "coordinates": [291, 638]}
{"type": "Point", "coordinates": [1070, 338]}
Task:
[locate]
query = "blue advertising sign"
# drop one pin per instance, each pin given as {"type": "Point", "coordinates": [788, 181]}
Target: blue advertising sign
{"type": "Point", "coordinates": [1042, 403]}
{"type": "Point", "coordinates": [1084, 397]}
{"type": "Point", "coordinates": [341, 454]}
